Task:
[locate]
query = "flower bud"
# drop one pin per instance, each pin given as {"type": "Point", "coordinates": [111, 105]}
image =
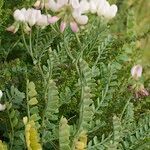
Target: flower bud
{"type": "Point", "coordinates": [62, 26]}
{"type": "Point", "coordinates": [53, 19]}
{"type": "Point", "coordinates": [13, 28]}
{"type": "Point", "coordinates": [74, 26]}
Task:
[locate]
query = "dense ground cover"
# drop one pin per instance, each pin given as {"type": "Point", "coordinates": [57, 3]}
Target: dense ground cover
{"type": "Point", "coordinates": [75, 90]}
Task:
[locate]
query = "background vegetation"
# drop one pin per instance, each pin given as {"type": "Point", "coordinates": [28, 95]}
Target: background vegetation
{"type": "Point", "coordinates": [120, 121]}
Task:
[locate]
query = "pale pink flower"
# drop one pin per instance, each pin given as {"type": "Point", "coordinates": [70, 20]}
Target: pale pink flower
{"type": "Point", "coordinates": [43, 21]}
{"type": "Point", "coordinates": [136, 71]}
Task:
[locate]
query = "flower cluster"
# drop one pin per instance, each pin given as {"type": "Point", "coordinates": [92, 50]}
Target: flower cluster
{"type": "Point", "coordinates": [103, 8]}
{"type": "Point", "coordinates": [28, 18]}
{"type": "Point", "coordinates": [70, 12]}
{"type": "Point", "coordinates": [74, 12]}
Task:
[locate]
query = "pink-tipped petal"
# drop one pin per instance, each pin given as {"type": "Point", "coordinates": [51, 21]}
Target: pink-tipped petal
{"type": "Point", "coordinates": [74, 26]}
{"type": "Point", "coordinates": [63, 26]}
{"type": "Point", "coordinates": [53, 19]}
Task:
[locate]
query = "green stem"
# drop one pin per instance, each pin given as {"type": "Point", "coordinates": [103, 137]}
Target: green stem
{"type": "Point", "coordinates": [67, 50]}
{"type": "Point", "coordinates": [99, 55]}
{"type": "Point", "coordinates": [125, 107]}
{"type": "Point", "coordinates": [37, 39]}
{"type": "Point", "coordinates": [104, 95]}
{"type": "Point", "coordinates": [78, 40]}
{"type": "Point", "coordinates": [30, 46]}
{"type": "Point", "coordinates": [25, 43]}
{"type": "Point", "coordinates": [46, 86]}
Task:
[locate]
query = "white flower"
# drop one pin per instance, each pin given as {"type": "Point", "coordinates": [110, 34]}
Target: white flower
{"type": "Point", "coordinates": [70, 12]}
{"type": "Point", "coordinates": [43, 21]}
{"type": "Point", "coordinates": [136, 71]}
{"type": "Point", "coordinates": [2, 107]}
{"type": "Point", "coordinates": [1, 94]}
{"type": "Point", "coordinates": [19, 15]}
{"type": "Point", "coordinates": [103, 8]}
{"type": "Point", "coordinates": [93, 5]}
{"type": "Point", "coordinates": [32, 15]}
{"type": "Point", "coordinates": [84, 6]}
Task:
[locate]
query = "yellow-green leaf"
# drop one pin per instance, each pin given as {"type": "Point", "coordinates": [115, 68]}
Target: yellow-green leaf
{"type": "Point", "coordinates": [33, 101]}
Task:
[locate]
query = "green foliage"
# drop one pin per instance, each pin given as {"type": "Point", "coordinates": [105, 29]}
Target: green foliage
{"type": "Point", "coordinates": [83, 76]}
{"type": "Point", "coordinates": [64, 134]}
{"type": "Point", "coordinates": [50, 116]}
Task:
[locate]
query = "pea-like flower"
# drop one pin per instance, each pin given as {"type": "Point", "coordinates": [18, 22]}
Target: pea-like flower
{"type": "Point", "coordinates": [70, 12]}
{"type": "Point", "coordinates": [136, 71]}
{"type": "Point", "coordinates": [27, 18]}
{"type": "Point", "coordinates": [138, 87]}
{"type": "Point", "coordinates": [103, 8]}
{"type": "Point", "coordinates": [42, 21]}
{"type": "Point", "coordinates": [32, 16]}
{"type": "Point", "coordinates": [19, 15]}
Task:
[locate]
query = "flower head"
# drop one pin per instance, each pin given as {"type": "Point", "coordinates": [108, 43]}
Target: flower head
{"type": "Point", "coordinates": [103, 8]}
{"type": "Point", "coordinates": [70, 12]}
{"type": "Point", "coordinates": [19, 15]}
{"type": "Point", "coordinates": [27, 18]}
{"type": "Point", "coordinates": [32, 16]}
